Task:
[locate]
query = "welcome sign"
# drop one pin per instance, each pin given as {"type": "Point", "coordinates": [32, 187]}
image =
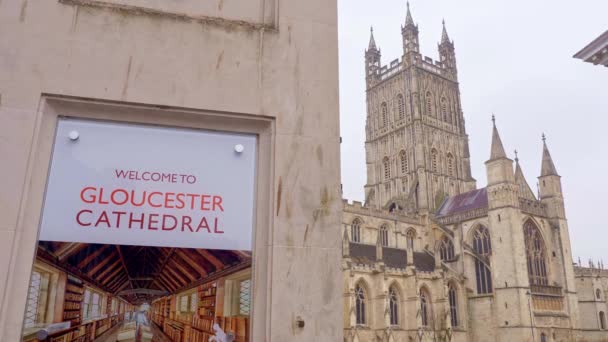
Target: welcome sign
{"type": "Point", "coordinates": [150, 186]}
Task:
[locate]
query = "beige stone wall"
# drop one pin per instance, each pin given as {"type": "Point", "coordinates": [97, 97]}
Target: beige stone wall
{"type": "Point", "coordinates": [269, 66]}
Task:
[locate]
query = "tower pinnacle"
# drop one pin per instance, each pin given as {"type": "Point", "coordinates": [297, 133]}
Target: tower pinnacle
{"type": "Point", "coordinates": [444, 34]}
{"type": "Point", "coordinates": [547, 168]}
{"type": "Point", "coordinates": [372, 41]}
{"type": "Point", "coordinates": [408, 16]}
{"type": "Point", "coordinates": [497, 150]}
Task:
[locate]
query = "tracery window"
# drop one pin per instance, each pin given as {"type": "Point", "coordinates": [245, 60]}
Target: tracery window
{"type": "Point", "coordinates": [384, 108]}
{"type": "Point", "coordinates": [425, 300]}
{"type": "Point", "coordinates": [403, 160]}
{"type": "Point", "coordinates": [429, 103]}
{"type": "Point", "coordinates": [452, 298]}
{"type": "Point", "coordinates": [384, 236]}
{"type": "Point", "coordinates": [393, 306]}
{"type": "Point", "coordinates": [400, 106]}
{"type": "Point", "coordinates": [410, 236]}
{"type": "Point", "coordinates": [483, 247]}
{"type": "Point", "coordinates": [434, 162]}
{"type": "Point", "coordinates": [355, 231]}
{"type": "Point", "coordinates": [387, 168]}
{"type": "Point", "coordinates": [444, 109]}
{"type": "Point", "coordinates": [446, 249]}
{"type": "Point", "coordinates": [450, 159]}
{"type": "Point", "coordinates": [536, 254]}
{"type": "Point", "coordinates": [360, 298]}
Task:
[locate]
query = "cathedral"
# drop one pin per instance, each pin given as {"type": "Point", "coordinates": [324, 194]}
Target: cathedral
{"type": "Point", "coordinates": [429, 255]}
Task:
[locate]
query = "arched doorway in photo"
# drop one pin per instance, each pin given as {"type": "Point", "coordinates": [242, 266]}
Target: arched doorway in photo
{"type": "Point", "coordinates": [99, 292]}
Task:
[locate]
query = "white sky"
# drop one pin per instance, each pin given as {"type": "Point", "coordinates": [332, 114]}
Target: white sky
{"type": "Point", "coordinates": [514, 59]}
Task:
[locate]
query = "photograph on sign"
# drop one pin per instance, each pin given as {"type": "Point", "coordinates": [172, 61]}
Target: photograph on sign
{"type": "Point", "coordinates": [145, 235]}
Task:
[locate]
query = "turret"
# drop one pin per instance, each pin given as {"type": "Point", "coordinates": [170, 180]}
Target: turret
{"type": "Point", "coordinates": [409, 32]}
{"type": "Point", "coordinates": [372, 58]}
{"type": "Point", "coordinates": [447, 56]}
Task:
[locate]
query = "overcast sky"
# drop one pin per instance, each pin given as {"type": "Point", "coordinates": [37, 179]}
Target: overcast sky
{"type": "Point", "coordinates": [515, 60]}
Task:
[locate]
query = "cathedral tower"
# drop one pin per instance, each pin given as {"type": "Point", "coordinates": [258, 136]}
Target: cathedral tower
{"type": "Point", "coordinates": [416, 145]}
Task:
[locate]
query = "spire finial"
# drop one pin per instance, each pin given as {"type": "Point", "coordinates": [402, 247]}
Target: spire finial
{"type": "Point", "coordinates": [547, 165]}
{"type": "Point", "coordinates": [516, 158]}
{"type": "Point", "coordinates": [544, 137]}
{"type": "Point", "coordinates": [372, 41]}
{"type": "Point", "coordinates": [444, 33]}
{"type": "Point", "coordinates": [494, 119]}
{"type": "Point", "coordinates": [497, 151]}
{"type": "Point", "coordinates": [408, 16]}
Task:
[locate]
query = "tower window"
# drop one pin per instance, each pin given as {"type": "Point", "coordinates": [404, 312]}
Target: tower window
{"type": "Point", "coordinates": [536, 254]}
{"type": "Point", "coordinates": [384, 114]}
{"type": "Point", "coordinates": [602, 320]}
{"type": "Point", "coordinates": [384, 236]}
{"type": "Point", "coordinates": [355, 231]}
{"type": "Point", "coordinates": [446, 249]}
{"type": "Point", "coordinates": [543, 337]}
{"type": "Point", "coordinates": [403, 160]}
{"type": "Point", "coordinates": [393, 306]}
{"type": "Point", "coordinates": [387, 168]}
{"type": "Point", "coordinates": [452, 298]}
{"type": "Point", "coordinates": [410, 236]}
{"type": "Point", "coordinates": [429, 103]}
{"type": "Point", "coordinates": [434, 162]}
{"type": "Point", "coordinates": [598, 293]}
{"type": "Point", "coordinates": [360, 305]}
{"type": "Point", "coordinates": [400, 106]}
{"type": "Point", "coordinates": [483, 248]}
{"type": "Point", "coordinates": [424, 307]}
{"type": "Point", "coordinates": [450, 160]}
{"type": "Point", "coordinates": [444, 109]}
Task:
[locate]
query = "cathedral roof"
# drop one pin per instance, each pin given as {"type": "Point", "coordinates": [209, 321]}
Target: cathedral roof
{"type": "Point", "coordinates": [548, 168]}
{"type": "Point", "coordinates": [475, 199]}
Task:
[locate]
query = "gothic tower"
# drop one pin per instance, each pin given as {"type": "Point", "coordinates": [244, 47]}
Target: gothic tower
{"type": "Point", "coordinates": [416, 145]}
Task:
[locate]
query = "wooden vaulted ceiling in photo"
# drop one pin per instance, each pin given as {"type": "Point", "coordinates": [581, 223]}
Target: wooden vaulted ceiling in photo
{"type": "Point", "coordinates": [139, 274]}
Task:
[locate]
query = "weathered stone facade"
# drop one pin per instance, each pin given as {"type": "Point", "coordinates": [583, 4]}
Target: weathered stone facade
{"type": "Point", "coordinates": [429, 257]}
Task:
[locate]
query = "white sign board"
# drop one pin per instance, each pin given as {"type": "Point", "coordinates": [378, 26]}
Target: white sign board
{"type": "Point", "coordinates": [114, 183]}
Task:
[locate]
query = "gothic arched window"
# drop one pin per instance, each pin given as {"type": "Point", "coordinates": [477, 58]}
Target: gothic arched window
{"type": "Point", "coordinates": [401, 106]}
{"type": "Point", "coordinates": [403, 161]}
{"type": "Point", "coordinates": [598, 293]}
{"type": "Point", "coordinates": [425, 302]}
{"type": "Point", "coordinates": [434, 161]}
{"type": "Point", "coordinates": [446, 249]}
{"type": "Point", "coordinates": [543, 337]}
{"type": "Point", "coordinates": [384, 235]}
{"type": "Point", "coordinates": [483, 248]}
{"type": "Point", "coordinates": [384, 108]}
{"type": "Point", "coordinates": [360, 298]}
{"type": "Point", "coordinates": [444, 109]}
{"type": "Point", "coordinates": [355, 231]}
{"type": "Point", "coordinates": [410, 236]}
{"type": "Point", "coordinates": [387, 168]}
{"type": "Point", "coordinates": [602, 320]}
{"type": "Point", "coordinates": [450, 161]}
{"type": "Point", "coordinates": [453, 300]}
{"type": "Point", "coordinates": [393, 305]}
{"type": "Point", "coordinates": [536, 254]}
{"type": "Point", "coordinates": [429, 103]}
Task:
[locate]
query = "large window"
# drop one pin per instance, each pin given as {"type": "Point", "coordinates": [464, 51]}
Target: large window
{"type": "Point", "coordinates": [360, 299]}
{"type": "Point", "coordinates": [237, 296]}
{"type": "Point", "coordinates": [446, 249]}
{"type": "Point", "coordinates": [355, 231]}
{"type": "Point", "coordinates": [188, 302]}
{"type": "Point", "coordinates": [36, 299]}
{"type": "Point", "coordinates": [453, 301]}
{"type": "Point", "coordinates": [393, 306]}
{"type": "Point", "coordinates": [425, 302]}
{"type": "Point", "coordinates": [92, 305]}
{"type": "Point", "coordinates": [384, 235]}
{"type": "Point", "coordinates": [536, 254]}
{"type": "Point", "coordinates": [483, 248]}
